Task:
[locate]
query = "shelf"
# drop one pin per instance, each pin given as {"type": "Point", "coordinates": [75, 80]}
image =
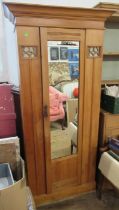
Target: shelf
{"type": "Point", "coordinates": [111, 54]}
{"type": "Point", "coordinates": [110, 82]}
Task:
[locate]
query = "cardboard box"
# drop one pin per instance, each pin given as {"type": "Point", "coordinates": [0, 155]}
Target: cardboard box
{"type": "Point", "coordinates": [14, 197]}
{"type": "Point", "coordinates": [10, 146]}
{"type": "Point", "coordinates": [7, 125]}
{"type": "Point", "coordinates": [7, 112]}
{"type": "Point", "coordinates": [30, 200]}
{"type": "Point", "coordinates": [6, 99]}
{"type": "Point", "coordinates": [6, 178]}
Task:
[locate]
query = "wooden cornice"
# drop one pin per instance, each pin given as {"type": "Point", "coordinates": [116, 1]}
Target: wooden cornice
{"type": "Point", "coordinates": [40, 11]}
{"type": "Point", "coordinates": [110, 6]}
{"type": "Point", "coordinates": [105, 5]}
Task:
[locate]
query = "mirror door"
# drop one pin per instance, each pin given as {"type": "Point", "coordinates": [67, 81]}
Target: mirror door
{"type": "Point", "coordinates": [62, 53]}
{"type": "Point", "coordinates": [63, 72]}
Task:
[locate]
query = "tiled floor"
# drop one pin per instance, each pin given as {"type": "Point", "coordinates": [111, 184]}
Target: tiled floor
{"type": "Point", "coordinates": [110, 201]}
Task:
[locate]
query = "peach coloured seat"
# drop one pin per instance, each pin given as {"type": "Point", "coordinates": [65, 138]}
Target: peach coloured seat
{"type": "Point", "coordinates": [56, 104]}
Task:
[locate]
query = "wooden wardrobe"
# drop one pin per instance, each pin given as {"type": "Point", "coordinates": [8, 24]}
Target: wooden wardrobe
{"type": "Point", "coordinates": [54, 179]}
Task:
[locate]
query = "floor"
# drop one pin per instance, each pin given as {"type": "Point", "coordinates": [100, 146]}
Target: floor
{"type": "Point", "coordinates": [109, 201]}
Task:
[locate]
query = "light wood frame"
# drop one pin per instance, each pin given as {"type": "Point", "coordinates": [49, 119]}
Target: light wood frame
{"type": "Point", "coordinates": [72, 173]}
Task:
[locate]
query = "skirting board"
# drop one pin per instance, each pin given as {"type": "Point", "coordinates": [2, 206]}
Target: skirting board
{"type": "Point", "coordinates": [72, 191]}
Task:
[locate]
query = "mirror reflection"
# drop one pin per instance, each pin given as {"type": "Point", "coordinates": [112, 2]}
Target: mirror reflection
{"type": "Point", "coordinates": [63, 65]}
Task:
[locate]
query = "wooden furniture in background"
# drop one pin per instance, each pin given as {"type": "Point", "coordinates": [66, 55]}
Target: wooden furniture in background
{"type": "Point", "coordinates": [108, 126]}
{"type": "Point", "coordinates": [110, 68]}
{"type": "Point", "coordinates": [36, 25]}
{"type": "Point", "coordinates": [19, 127]}
{"type": "Point", "coordinates": [72, 108]}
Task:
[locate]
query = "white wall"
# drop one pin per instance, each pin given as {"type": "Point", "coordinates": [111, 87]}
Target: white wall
{"type": "Point", "coordinates": [75, 3]}
{"type": "Point", "coordinates": [3, 59]}
{"type": "Point", "coordinates": [9, 66]}
{"type": "Point", "coordinates": [11, 52]}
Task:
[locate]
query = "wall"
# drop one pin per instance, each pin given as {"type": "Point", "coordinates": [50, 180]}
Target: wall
{"type": "Point", "coordinates": [9, 67]}
{"type": "Point", "coordinates": [11, 52]}
{"type": "Point", "coordinates": [110, 70]}
{"type": "Point", "coordinates": [3, 60]}
{"type": "Point", "coordinates": [70, 3]}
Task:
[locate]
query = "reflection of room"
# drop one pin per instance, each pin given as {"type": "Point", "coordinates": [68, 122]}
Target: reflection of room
{"type": "Point", "coordinates": [63, 66]}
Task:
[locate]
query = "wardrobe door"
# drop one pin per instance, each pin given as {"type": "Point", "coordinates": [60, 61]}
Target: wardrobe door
{"type": "Point", "coordinates": [62, 52]}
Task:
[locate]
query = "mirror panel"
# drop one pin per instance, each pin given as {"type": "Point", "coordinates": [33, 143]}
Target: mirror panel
{"type": "Point", "coordinates": [64, 68]}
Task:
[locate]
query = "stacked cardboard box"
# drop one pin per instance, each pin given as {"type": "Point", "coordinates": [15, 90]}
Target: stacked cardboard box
{"type": "Point", "coordinates": [7, 112]}
{"type": "Point", "coordinates": [16, 195]}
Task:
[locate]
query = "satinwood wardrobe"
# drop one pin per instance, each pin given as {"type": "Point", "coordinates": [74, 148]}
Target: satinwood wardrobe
{"type": "Point", "coordinates": [45, 37]}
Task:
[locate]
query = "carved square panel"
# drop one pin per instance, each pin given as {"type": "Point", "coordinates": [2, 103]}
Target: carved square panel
{"type": "Point", "coordinates": [29, 52]}
{"type": "Point", "coordinates": [94, 51]}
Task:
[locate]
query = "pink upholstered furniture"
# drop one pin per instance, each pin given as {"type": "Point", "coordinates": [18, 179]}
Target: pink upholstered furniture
{"type": "Point", "coordinates": [56, 104]}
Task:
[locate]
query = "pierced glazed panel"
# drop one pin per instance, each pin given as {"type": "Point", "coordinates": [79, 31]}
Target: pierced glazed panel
{"type": "Point", "coordinates": [29, 52]}
{"type": "Point", "coordinates": [94, 52]}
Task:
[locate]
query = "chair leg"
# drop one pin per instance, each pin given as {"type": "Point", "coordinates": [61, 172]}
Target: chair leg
{"type": "Point", "coordinates": [99, 185]}
{"type": "Point", "coordinates": [62, 124]}
{"type": "Point", "coordinates": [71, 148]}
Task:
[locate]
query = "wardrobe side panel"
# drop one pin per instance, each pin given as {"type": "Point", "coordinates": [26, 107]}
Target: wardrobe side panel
{"type": "Point", "coordinates": [31, 103]}
{"type": "Point", "coordinates": [93, 68]}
